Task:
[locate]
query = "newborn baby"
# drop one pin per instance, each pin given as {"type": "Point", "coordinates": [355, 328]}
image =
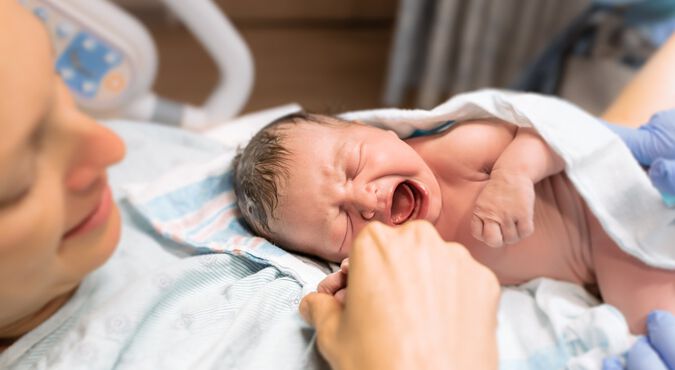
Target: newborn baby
{"type": "Point", "coordinates": [311, 182]}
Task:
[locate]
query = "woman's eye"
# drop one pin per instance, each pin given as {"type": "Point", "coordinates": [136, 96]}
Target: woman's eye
{"type": "Point", "coordinates": [24, 183]}
{"type": "Point", "coordinates": [15, 197]}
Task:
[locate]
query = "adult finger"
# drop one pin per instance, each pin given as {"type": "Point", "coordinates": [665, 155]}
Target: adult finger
{"type": "Point", "coordinates": [612, 363]}
{"type": "Point", "coordinates": [661, 329]}
{"type": "Point", "coordinates": [655, 139]}
{"type": "Point", "coordinates": [643, 357]}
{"type": "Point", "coordinates": [322, 311]}
{"type": "Point", "coordinates": [662, 174]}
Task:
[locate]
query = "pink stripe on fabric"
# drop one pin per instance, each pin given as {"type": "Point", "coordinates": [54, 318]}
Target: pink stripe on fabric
{"type": "Point", "coordinates": [216, 225]}
{"type": "Point", "coordinates": [211, 207]}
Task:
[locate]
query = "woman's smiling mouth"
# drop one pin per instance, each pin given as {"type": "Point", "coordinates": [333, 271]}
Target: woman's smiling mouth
{"type": "Point", "coordinates": [98, 216]}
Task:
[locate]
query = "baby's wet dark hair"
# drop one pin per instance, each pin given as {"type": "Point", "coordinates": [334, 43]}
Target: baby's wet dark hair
{"type": "Point", "coordinates": [261, 166]}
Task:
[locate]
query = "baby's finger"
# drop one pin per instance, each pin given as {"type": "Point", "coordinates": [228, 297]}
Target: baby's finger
{"type": "Point", "coordinates": [344, 266]}
{"type": "Point", "coordinates": [509, 232]}
{"type": "Point", "coordinates": [477, 227]}
{"type": "Point", "coordinates": [341, 295]}
{"type": "Point", "coordinates": [492, 234]}
{"type": "Point", "coordinates": [525, 227]}
{"type": "Point", "coordinates": [332, 283]}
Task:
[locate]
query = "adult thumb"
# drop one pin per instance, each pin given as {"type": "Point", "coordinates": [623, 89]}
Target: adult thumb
{"type": "Point", "coordinates": [662, 174]}
{"type": "Point", "coordinates": [322, 311]}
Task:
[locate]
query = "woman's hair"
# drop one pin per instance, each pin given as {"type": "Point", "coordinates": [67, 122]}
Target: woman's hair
{"type": "Point", "coordinates": [263, 164]}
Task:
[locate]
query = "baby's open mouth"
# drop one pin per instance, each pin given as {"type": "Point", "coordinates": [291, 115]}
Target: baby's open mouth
{"type": "Point", "coordinates": [405, 203]}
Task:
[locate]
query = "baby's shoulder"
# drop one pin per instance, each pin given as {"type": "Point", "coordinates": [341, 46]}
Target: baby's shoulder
{"type": "Point", "coordinates": [474, 145]}
{"type": "Point", "coordinates": [481, 131]}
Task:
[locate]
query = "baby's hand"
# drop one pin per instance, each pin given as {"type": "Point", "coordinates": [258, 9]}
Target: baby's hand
{"type": "Point", "coordinates": [336, 283]}
{"type": "Point", "coordinates": [504, 210]}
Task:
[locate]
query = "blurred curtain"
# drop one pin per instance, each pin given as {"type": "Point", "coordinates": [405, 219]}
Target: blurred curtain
{"type": "Point", "coordinates": [444, 47]}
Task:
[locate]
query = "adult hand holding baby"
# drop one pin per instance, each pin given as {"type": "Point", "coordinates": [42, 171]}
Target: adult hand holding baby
{"type": "Point", "coordinates": [414, 301]}
{"type": "Point", "coordinates": [656, 351]}
{"type": "Point", "coordinates": [653, 145]}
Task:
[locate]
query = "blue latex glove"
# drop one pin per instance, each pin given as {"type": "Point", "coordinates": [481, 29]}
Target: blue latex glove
{"type": "Point", "coordinates": [654, 352]}
{"type": "Point", "coordinates": [653, 145]}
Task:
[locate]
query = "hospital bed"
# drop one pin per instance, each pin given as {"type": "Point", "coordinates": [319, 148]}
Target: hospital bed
{"type": "Point", "coordinates": [109, 61]}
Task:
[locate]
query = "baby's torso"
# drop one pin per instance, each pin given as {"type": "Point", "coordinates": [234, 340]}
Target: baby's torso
{"type": "Point", "coordinates": [565, 229]}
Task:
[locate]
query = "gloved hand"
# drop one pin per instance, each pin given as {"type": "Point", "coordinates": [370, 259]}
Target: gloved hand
{"type": "Point", "coordinates": [653, 145]}
{"type": "Point", "coordinates": [655, 352]}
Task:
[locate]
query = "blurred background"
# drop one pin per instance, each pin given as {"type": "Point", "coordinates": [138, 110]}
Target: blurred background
{"type": "Point", "coordinates": [323, 54]}
{"type": "Point", "coordinates": [332, 56]}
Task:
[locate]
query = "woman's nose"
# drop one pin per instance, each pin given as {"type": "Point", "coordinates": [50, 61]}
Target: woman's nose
{"type": "Point", "coordinates": [96, 148]}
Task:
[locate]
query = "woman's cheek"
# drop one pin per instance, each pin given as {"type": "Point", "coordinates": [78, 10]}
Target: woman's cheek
{"type": "Point", "coordinates": [31, 236]}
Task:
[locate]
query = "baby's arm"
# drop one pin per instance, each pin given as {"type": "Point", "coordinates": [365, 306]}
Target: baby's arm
{"type": "Point", "coordinates": [503, 213]}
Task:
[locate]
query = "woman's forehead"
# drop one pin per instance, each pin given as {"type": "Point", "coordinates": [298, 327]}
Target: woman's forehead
{"type": "Point", "coordinates": [26, 74]}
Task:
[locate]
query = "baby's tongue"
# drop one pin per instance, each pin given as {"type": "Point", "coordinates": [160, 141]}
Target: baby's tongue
{"type": "Point", "coordinates": [403, 204]}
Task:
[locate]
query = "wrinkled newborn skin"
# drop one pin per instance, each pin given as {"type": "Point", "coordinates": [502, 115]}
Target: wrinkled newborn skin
{"type": "Point", "coordinates": [341, 178]}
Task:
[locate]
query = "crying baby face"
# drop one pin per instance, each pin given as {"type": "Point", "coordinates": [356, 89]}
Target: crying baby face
{"type": "Point", "coordinates": [339, 178]}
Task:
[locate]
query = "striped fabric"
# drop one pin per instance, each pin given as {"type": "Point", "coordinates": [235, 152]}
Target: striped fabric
{"type": "Point", "coordinates": [196, 207]}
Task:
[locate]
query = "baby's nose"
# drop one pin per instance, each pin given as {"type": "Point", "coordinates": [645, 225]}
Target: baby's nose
{"type": "Point", "coordinates": [366, 201]}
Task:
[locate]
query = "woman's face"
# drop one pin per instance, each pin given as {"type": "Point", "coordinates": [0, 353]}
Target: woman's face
{"type": "Point", "coordinates": [57, 218]}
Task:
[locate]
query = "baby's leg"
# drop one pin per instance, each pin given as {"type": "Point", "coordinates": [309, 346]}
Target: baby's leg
{"type": "Point", "coordinates": [631, 286]}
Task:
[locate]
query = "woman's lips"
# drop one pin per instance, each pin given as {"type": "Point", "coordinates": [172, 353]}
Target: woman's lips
{"type": "Point", "coordinates": [98, 216]}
